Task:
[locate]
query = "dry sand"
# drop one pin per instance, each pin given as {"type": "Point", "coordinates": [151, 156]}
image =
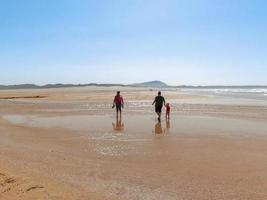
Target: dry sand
{"type": "Point", "coordinates": [67, 144]}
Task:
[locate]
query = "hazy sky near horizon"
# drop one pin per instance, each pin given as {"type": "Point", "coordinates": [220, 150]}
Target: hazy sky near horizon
{"type": "Point", "coordinates": [199, 42]}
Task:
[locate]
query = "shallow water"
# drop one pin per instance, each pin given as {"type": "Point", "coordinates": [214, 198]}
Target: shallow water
{"type": "Point", "coordinates": [138, 139]}
{"type": "Point", "coordinates": [140, 127]}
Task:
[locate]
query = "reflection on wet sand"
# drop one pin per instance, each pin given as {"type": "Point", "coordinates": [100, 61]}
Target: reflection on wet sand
{"type": "Point", "coordinates": [119, 125]}
{"type": "Point", "coordinates": [160, 130]}
{"type": "Point", "coordinates": [168, 126]}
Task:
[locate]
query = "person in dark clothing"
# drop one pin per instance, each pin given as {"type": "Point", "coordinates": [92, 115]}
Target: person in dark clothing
{"type": "Point", "coordinates": [118, 102]}
{"type": "Point", "coordinates": [159, 102]}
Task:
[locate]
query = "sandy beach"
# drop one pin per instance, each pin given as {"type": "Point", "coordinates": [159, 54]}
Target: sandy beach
{"type": "Point", "coordinates": [67, 144]}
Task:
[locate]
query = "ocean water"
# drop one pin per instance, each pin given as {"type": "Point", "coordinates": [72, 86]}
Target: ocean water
{"type": "Point", "coordinates": [255, 91]}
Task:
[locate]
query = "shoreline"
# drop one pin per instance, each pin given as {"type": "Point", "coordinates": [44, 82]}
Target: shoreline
{"type": "Point", "coordinates": [59, 148]}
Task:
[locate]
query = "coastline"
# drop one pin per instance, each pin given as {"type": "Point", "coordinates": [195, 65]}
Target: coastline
{"type": "Point", "coordinates": [65, 146]}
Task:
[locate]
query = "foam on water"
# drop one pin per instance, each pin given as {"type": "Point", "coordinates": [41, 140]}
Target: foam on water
{"type": "Point", "coordinates": [261, 91]}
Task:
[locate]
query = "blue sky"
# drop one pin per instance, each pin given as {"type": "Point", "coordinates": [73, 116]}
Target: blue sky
{"type": "Point", "coordinates": [198, 42]}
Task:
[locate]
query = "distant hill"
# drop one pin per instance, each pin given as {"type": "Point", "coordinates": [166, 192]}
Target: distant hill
{"type": "Point", "coordinates": [150, 84]}
{"type": "Point", "coordinates": [22, 86]}
{"type": "Point", "coordinates": [32, 86]}
{"type": "Point", "coordinates": [155, 84]}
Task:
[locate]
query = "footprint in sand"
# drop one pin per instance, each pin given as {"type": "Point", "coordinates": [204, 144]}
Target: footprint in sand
{"type": "Point", "coordinates": [10, 180]}
{"type": "Point", "coordinates": [6, 182]}
{"type": "Point", "coordinates": [34, 188]}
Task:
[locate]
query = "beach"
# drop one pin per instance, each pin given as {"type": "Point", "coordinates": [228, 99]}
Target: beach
{"type": "Point", "coordinates": [66, 143]}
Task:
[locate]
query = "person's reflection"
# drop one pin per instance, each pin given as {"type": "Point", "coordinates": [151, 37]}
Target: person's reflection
{"type": "Point", "coordinates": [168, 126]}
{"type": "Point", "coordinates": [158, 128]}
{"type": "Point", "coordinates": [118, 126]}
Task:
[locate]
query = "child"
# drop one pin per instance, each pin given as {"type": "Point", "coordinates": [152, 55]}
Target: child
{"type": "Point", "coordinates": [168, 110]}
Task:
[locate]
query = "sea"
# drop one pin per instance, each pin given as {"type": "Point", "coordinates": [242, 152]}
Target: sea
{"type": "Point", "coordinates": [259, 93]}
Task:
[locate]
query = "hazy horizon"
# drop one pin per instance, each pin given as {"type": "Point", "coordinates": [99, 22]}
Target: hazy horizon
{"type": "Point", "coordinates": [180, 42]}
{"type": "Point", "coordinates": [76, 84]}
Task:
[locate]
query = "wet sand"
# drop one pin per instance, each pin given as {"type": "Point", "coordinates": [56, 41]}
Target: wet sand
{"type": "Point", "coordinates": [69, 145]}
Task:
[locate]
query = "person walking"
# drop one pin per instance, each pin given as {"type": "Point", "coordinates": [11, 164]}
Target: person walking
{"type": "Point", "coordinates": [168, 110]}
{"type": "Point", "coordinates": [159, 102]}
{"type": "Point", "coordinates": [118, 103]}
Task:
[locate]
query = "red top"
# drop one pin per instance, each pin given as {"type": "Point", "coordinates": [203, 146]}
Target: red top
{"type": "Point", "coordinates": [118, 99]}
{"type": "Point", "coordinates": [168, 107]}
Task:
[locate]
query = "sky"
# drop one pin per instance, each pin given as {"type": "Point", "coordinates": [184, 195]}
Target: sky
{"type": "Point", "coordinates": [180, 42]}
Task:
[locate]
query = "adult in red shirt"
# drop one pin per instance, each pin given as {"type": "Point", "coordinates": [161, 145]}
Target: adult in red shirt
{"type": "Point", "coordinates": [118, 102]}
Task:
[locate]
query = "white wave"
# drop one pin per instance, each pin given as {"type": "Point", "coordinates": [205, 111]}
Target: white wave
{"type": "Point", "coordinates": [262, 91]}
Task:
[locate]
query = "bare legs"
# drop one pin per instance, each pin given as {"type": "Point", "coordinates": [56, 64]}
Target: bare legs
{"type": "Point", "coordinates": [118, 110]}
{"type": "Point", "coordinates": [159, 116]}
{"type": "Point", "coordinates": [119, 114]}
{"type": "Point", "coordinates": [167, 115]}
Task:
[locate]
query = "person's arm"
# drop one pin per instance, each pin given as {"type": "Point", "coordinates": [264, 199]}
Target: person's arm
{"type": "Point", "coordinates": [154, 101]}
{"type": "Point", "coordinates": [164, 101]}
{"type": "Point", "coordinates": [113, 105]}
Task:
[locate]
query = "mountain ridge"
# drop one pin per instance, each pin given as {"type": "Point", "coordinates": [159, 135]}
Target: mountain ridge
{"type": "Point", "coordinates": [149, 84]}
